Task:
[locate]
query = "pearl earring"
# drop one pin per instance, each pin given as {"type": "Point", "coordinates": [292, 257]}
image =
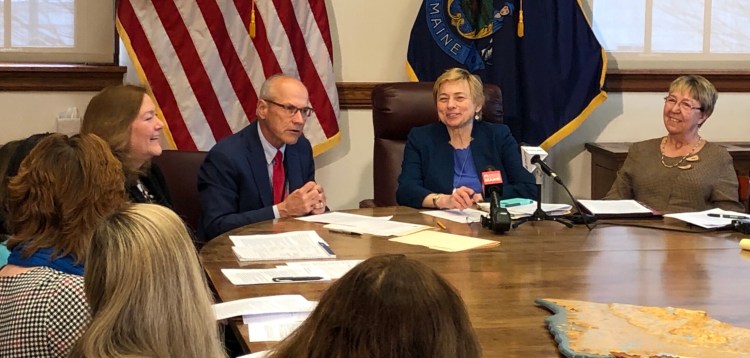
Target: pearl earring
{"type": "Point", "coordinates": [476, 115]}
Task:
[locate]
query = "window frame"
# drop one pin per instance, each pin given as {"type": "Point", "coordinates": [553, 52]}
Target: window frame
{"type": "Point", "coordinates": [59, 77]}
{"type": "Point", "coordinates": [90, 47]}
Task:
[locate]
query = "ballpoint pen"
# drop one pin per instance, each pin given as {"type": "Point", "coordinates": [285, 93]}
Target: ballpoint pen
{"type": "Point", "coordinates": [725, 216]}
{"type": "Point", "coordinates": [337, 231]}
{"type": "Point", "coordinates": [296, 279]}
{"type": "Point", "coordinates": [326, 247]}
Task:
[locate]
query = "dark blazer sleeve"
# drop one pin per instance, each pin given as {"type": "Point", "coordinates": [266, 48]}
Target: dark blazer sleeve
{"type": "Point", "coordinates": [229, 196]}
{"type": "Point", "coordinates": [411, 182]}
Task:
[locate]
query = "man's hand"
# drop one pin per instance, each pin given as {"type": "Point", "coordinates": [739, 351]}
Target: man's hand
{"type": "Point", "coordinates": [310, 198]}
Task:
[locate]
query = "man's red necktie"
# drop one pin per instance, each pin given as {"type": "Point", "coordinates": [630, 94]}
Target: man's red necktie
{"type": "Point", "coordinates": [279, 179]}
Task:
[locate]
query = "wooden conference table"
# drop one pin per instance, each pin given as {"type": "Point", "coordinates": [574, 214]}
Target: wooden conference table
{"type": "Point", "coordinates": [623, 264]}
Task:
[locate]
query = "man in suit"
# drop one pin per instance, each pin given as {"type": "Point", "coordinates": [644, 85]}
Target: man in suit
{"type": "Point", "coordinates": [264, 171]}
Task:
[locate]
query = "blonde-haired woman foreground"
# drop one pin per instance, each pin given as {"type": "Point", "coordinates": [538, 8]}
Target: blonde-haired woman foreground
{"type": "Point", "coordinates": [147, 293]}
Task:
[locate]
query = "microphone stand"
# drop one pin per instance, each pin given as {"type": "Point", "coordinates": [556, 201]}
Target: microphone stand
{"type": "Point", "coordinates": [539, 214]}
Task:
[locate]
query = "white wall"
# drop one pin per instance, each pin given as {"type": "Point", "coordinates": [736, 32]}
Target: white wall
{"type": "Point", "coordinates": [370, 40]}
{"type": "Point", "coordinates": [26, 113]}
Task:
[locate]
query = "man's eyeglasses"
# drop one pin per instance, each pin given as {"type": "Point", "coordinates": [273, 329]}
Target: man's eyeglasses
{"type": "Point", "coordinates": [685, 106]}
{"type": "Point", "coordinates": [292, 110]}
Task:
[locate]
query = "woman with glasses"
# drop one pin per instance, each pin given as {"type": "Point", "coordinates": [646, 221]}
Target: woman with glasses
{"type": "Point", "coordinates": [680, 171]}
{"type": "Point", "coordinates": [125, 117]}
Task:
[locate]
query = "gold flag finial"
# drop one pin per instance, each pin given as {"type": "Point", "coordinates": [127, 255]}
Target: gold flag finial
{"type": "Point", "coordinates": [520, 20]}
{"type": "Point", "coordinates": [251, 28]}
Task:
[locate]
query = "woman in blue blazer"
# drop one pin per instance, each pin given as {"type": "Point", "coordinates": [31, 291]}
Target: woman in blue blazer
{"type": "Point", "coordinates": [443, 161]}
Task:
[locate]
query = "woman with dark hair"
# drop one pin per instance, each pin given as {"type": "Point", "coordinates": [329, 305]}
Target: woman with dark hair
{"type": "Point", "coordinates": [125, 117]}
{"type": "Point", "coordinates": [11, 156]}
{"type": "Point", "coordinates": [63, 188]}
{"type": "Point", "coordinates": [388, 307]}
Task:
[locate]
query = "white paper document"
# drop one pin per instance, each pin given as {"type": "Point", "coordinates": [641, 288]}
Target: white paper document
{"type": "Point", "coordinates": [377, 228]}
{"type": "Point", "coordinates": [263, 305]}
{"type": "Point", "coordinates": [455, 215]}
{"type": "Point", "coordinates": [444, 241]}
{"type": "Point", "coordinates": [709, 219]}
{"type": "Point", "coordinates": [274, 331]}
{"type": "Point", "coordinates": [334, 217]}
{"type": "Point", "coordinates": [615, 207]}
{"type": "Point", "coordinates": [291, 245]}
{"type": "Point", "coordinates": [333, 269]}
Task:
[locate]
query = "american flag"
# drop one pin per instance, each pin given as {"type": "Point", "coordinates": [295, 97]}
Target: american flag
{"type": "Point", "coordinates": [205, 70]}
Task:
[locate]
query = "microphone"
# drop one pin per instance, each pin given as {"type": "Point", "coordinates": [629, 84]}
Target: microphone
{"type": "Point", "coordinates": [533, 158]}
{"type": "Point", "coordinates": [528, 152]}
{"type": "Point", "coordinates": [536, 159]}
{"type": "Point", "coordinates": [492, 182]}
{"type": "Point", "coordinates": [492, 187]}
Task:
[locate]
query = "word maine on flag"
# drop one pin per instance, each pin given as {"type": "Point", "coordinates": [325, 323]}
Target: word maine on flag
{"type": "Point", "coordinates": [205, 61]}
{"type": "Point", "coordinates": [542, 54]}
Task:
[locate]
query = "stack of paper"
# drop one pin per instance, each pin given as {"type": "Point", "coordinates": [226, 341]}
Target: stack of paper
{"type": "Point", "coordinates": [444, 241]}
{"type": "Point", "coordinates": [293, 245]}
{"type": "Point", "coordinates": [269, 318]}
{"type": "Point", "coordinates": [616, 208]}
{"type": "Point", "coordinates": [291, 272]}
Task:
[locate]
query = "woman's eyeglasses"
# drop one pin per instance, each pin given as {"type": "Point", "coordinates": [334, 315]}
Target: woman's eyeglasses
{"type": "Point", "coordinates": [685, 106]}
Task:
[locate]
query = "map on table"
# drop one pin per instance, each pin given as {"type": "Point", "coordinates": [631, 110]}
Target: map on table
{"type": "Point", "coordinates": [592, 330]}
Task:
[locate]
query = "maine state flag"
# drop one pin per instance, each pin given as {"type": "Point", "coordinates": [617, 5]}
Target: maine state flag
{"type": "Point", "coordinates": [542, 54]}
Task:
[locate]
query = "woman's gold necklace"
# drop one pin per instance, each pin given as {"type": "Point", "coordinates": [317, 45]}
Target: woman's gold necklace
{"type": "Point", "coordinates": [687, 157]}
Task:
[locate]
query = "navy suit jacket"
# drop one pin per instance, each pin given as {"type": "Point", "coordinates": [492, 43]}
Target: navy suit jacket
{"type": "Point", "coordinates": [233, 181]}
{"type": "Point", "coordinates": [428, 162]}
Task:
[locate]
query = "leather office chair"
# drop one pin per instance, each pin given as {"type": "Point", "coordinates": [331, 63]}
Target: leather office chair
{"type": "Point", "coordinates": [396, 109]}
{"type": "Point", "coordinates": [744, 191]}
{"type": "Point", "coordinates": [180, 169]}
